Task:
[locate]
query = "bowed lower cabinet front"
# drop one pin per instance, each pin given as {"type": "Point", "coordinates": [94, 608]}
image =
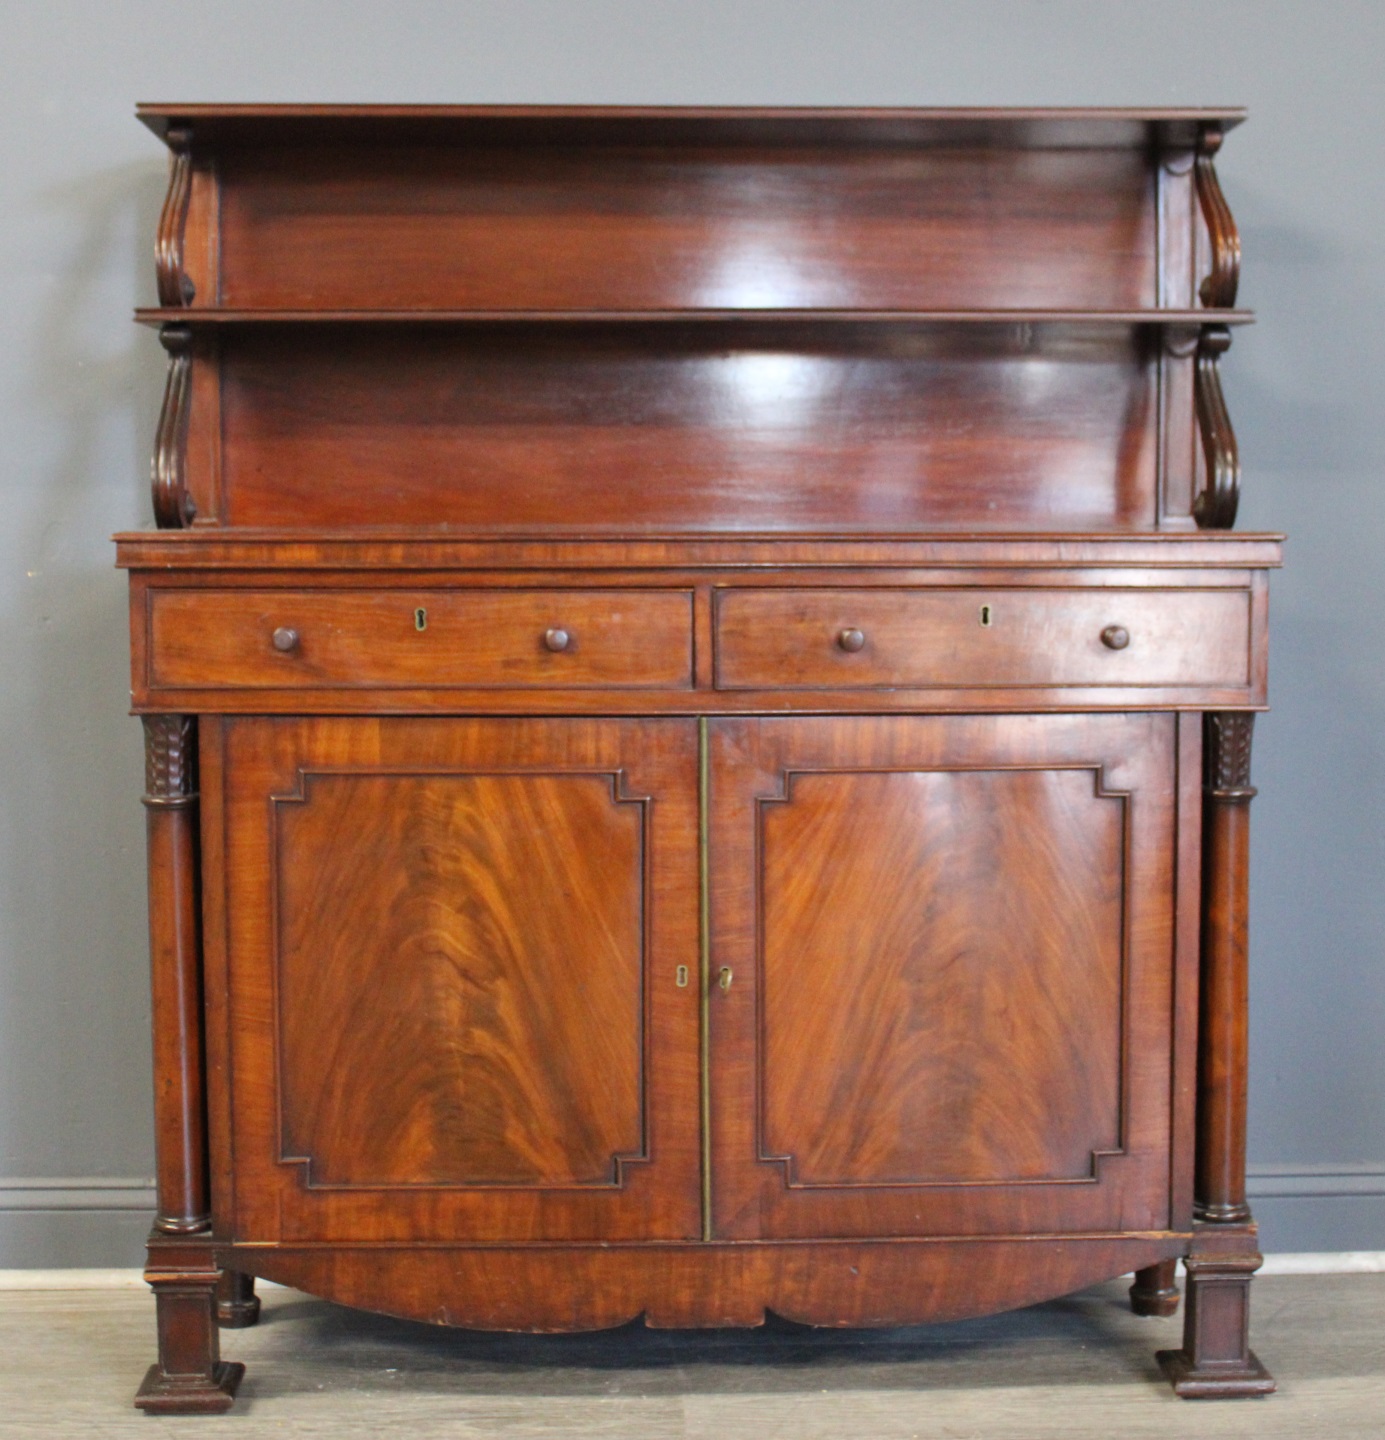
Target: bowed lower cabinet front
{"type": "Point", "coordinates": [698, 693]}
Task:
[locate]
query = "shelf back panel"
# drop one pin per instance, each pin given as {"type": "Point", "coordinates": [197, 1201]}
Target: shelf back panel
{"type": "Point", "coordinates": [390, 226]}
{"type": "Point", "coordinates": [699, 429]}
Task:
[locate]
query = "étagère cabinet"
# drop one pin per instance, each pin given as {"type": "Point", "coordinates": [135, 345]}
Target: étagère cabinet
{"type": "Point", "coordinates": [698, 689]}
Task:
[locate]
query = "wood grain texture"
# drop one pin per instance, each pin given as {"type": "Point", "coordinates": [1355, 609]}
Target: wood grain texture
{"type": "Point", "coordinates": [452, 978]}
{"type": "Point", "coordinates": [725, 429]}
{"type": "Point", "coordinates": [767, 639]}
{"type": "Point", "coordinates": [942, 976]}
{"type": "Point", "coordinates": [461, 987]}
{"type": "Point", "coordinates": [996, 1018]}
{"type": "Point", "coordinates": [631, 227]}
{"type": "Point", "coordinates": [482, 638]}
{"type": "Point", "coordinates": [1062, 552]}
{"type": "Point", "coordinates": [608, 547]}
{"type": "Point", "coordinates": [836, 1283]}
{"type": "Point", "coordinates": [175, 953]}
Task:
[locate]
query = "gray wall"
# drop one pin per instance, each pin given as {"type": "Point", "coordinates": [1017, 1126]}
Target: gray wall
{"type": "Point", "coordinates": [80, 187]}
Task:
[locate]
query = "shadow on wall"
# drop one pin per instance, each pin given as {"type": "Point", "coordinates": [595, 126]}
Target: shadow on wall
{"type": "Point", "coordinates": [74, 1045]}
{"type": "Point", "coordinates": [1311, 455]}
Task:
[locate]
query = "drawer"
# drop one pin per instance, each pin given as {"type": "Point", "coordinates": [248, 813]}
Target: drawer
{"type": "Point", "coordinates": [893, 638]}
{"type": "Point", "coordinates": [500, 639]}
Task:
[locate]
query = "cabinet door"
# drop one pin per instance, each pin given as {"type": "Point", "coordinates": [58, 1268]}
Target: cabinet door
{"type": "Point", "coordinates": [951, 944]}
{"type": "Point", "coordinates": [450, 957]}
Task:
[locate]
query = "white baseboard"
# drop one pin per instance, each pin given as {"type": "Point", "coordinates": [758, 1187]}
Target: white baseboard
{"type": "Point", "coordinates": [1312, 1182]}
{"type": "Point", "coordinates": [80, 1193]}
{"type": "Point", "coordinates": [1342, 1262]}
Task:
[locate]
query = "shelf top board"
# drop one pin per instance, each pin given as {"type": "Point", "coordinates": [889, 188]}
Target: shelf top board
{"type": "Point", "coordinates": [221, 315]}
{"type": "Point", "coordinates": [1088, 127]}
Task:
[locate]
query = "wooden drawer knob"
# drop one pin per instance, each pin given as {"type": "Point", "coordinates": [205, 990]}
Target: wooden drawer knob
{"type": "Point", "coordinates": [851, 640]}
{"type": "Point", "coordinates": [1115, 637]}
{"type": "Point", "coordinates": [285, 639]}
{"type": "Point", "coordinates": [557, 639]}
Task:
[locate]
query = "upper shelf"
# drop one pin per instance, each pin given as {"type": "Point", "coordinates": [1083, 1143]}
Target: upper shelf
{"type": "Point", "coordinates": [224, 315]}
{"type": "Point", "coordinates": [1119, 128]}
{"type": "Point", "coordinates": [478, 212]}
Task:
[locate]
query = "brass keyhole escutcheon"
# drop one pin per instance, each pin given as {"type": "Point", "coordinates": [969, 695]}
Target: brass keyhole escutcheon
{"type": "Point", "coordinates": [420, 618]}
{"type": "Point", "coordinates": [680, 977]}
{"type": "Point", "coordinates": [985, 614]}
{"type": "Point", "coordinates": [724, 977]}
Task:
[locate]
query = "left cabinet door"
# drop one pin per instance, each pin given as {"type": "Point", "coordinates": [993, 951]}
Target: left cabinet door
{"type": "Point", "coordinates": [443, 964]}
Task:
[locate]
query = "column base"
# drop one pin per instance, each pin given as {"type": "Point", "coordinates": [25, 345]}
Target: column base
{"type": "Point", "coordinates": [162, 1394]}
{"type": "Point", "coordinates": [1215, 1380]}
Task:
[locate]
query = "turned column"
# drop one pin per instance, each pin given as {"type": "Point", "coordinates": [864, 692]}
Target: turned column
{"type": "Point", "coordinates": [1216, 1359]}
{"type": "Point", "coordinates": [189, 1376]}
{"type": "Point", "coordinates": [180, 1141]}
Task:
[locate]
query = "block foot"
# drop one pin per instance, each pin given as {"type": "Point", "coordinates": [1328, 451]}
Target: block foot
{"type": "Point", "coordinates": [1215, 1380]}
{"type": "Point", "coordinates": [212, 1394]}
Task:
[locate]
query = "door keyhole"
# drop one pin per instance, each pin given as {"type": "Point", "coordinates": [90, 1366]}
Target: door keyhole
{"type": "Point", "coordinates": [420, 618]}
{"type": "Point", "coordinates": [985, 614]}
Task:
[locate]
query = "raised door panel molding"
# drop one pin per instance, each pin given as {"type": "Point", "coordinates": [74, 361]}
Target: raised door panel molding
{"type": "Point", "coordinates": [452, 957]}
{"type": "Point", "coordinates": [453, 982]}
{"type": "Point", "coordinates": [952, 949]}
{"type": "Point", "coordinates": [942, 976]}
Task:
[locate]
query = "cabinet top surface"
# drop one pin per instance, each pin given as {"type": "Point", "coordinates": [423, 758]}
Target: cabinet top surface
{"type": "Point", "coordinates": [1073, 126]}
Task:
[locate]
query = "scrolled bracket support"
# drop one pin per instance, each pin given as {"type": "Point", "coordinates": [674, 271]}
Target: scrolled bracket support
{"type": "Point", "coordinates": [1215, 507]}
{"type": "Point", "coordinates": [174, 508]}
{"type": "Point", "coordinates": [175, 285]}
{"type": "Point", "coordinates": [1218, 288]}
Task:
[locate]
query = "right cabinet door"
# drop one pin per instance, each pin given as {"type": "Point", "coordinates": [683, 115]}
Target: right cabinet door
{"type": "Point", "coordinates": [950, 993]}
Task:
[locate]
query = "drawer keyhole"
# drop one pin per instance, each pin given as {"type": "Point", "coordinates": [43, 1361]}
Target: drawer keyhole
{"type": "Point", "coordinates": [420, 618]}
{"type": "Point", "coordinates": [985, 614]}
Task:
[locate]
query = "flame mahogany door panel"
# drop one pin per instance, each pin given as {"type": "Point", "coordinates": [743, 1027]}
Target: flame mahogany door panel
{"type": "Point", "coordinates": [950, 1006]}
{"type": "Point", "coordinates": [451, 960]}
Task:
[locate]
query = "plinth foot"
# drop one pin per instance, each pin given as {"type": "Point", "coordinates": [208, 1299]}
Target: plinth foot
{"type": "Point", "coordinates": [1214, 1380]}
{"type": "Point", "coordinates": [212, 1394]}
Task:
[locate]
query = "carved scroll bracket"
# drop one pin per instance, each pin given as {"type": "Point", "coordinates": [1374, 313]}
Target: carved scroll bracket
{"type": "Point", "coordinates": [1218, 288]}
{"type": "Point", "coordinates": [175, 286]}
{"type": "Point", "coordinates": [173, 506]}
{"type": "Point", "coordinates": [1215, 507]}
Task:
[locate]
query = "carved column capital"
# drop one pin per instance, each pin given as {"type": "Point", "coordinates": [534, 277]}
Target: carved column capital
{"type": "Point", "coordinates": [1227, 736]}
{"type": "Point", "coordinates": [170, 760]}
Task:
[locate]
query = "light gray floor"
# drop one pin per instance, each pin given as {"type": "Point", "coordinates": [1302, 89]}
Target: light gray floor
{"type": "Point", "coordinates": [70, 1361]}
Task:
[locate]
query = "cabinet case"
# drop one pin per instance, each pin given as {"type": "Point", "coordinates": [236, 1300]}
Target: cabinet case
{"type": "Point", "coordinates": [698, 691]}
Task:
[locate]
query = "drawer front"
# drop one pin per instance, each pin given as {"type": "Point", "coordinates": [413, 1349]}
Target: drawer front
{"type": "Point", "coordinates": [890, 639]}
{"type": "Point", "coordinates": [493, 639]}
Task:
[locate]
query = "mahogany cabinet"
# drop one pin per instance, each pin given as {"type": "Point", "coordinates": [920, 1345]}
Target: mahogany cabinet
{"type": "Point", "coordinates": [698, 690]}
